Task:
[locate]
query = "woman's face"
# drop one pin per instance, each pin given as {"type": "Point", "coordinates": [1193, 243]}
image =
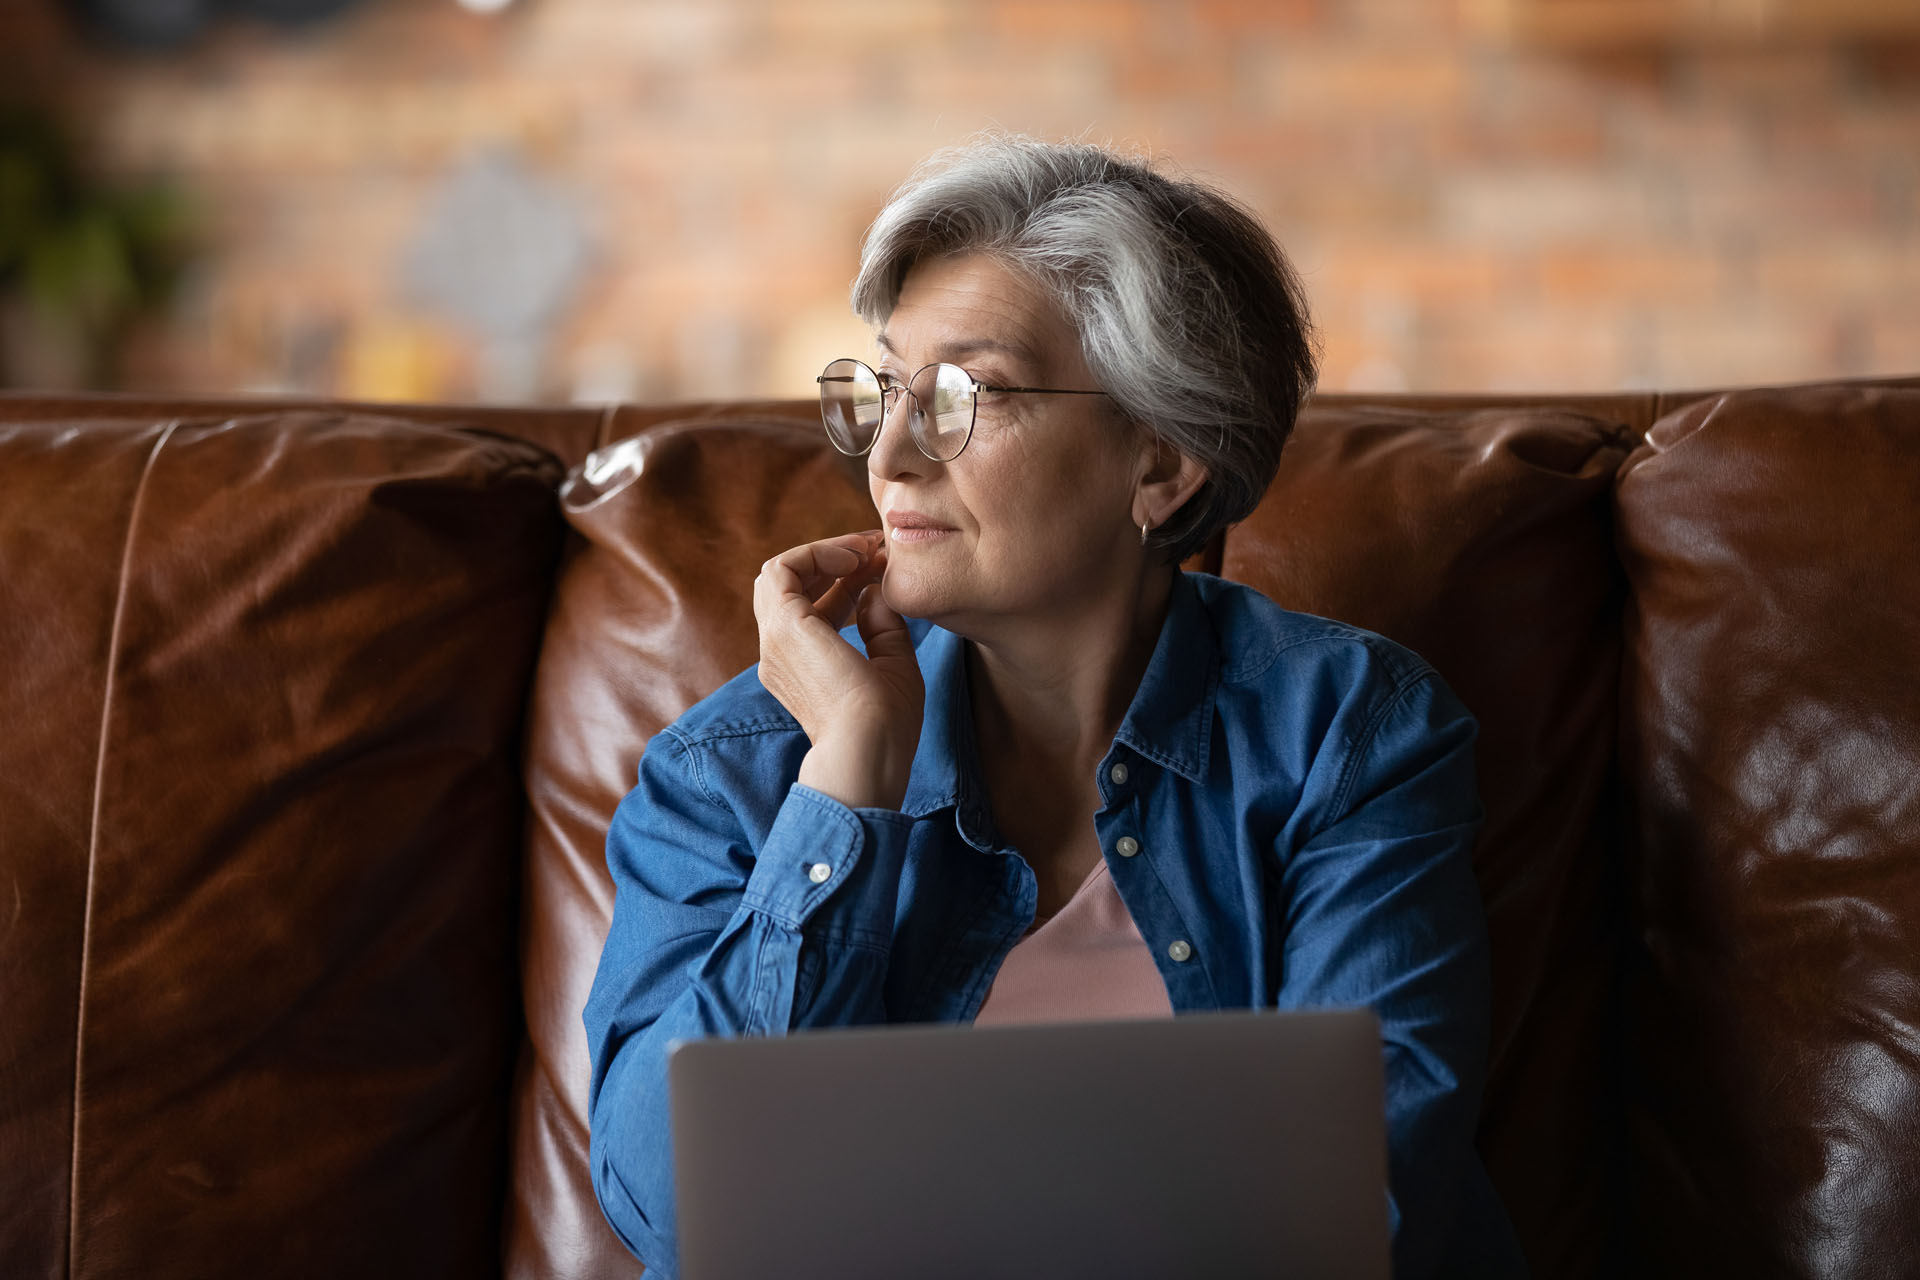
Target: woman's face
{"type": "Point", "coordinates": [1035, 513]}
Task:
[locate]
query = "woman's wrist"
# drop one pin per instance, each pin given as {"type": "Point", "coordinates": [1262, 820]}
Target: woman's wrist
{"type": "Point", "coordinates": [860, 773]}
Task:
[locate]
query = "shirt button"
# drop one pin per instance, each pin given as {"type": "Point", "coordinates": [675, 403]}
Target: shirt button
{"type": "Point", "coordinates": [1126, 846]}
{"type": "Point", "coordinates": [1118, 773]}
{"type": "Point", "coordinates": [819, 872]}
{"type": "Point", "coordinates": [1180, 950]}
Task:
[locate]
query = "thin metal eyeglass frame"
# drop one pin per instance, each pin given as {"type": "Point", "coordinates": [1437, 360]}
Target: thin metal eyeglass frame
{"type": "Point", "coordinates": [897, 388]}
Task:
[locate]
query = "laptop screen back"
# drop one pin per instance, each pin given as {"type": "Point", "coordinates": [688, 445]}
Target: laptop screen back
{"type": "Point", "coordinates": [1218, 1144]}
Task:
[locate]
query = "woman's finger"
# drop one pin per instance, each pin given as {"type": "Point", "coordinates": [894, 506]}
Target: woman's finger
{"type": "Point", "coordinates": [836, 606]}
{"type": "Point", "coordinates": [811, 568]}
{"type": "Point", "coordinates": [786, 610]}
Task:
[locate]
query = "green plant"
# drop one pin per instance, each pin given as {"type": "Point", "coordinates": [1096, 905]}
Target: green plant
{"type": "Point", "coordinates": [81, 259]}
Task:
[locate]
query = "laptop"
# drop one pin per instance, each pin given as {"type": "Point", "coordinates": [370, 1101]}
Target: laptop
{"type": "Point", "coordinates": [1211, 1145]}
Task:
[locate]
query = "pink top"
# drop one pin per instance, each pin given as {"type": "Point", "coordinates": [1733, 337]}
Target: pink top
{"type": "Point", "coordinates": [1086, 963]}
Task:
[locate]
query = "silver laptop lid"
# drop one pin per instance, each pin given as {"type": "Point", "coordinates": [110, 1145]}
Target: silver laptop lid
{"type": "Point", "coordinates": [1219, 1144]}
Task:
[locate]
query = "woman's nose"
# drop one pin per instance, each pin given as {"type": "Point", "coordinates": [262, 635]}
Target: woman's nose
{"type": "Point", "coordinates": [894, 451]}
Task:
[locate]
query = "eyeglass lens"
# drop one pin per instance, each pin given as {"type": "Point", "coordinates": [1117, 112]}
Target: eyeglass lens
{"type": "Point", "coordinates": [853, 405]}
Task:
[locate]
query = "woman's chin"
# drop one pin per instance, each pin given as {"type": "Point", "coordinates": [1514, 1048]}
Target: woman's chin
{"type": "Point", "coordinates": [912, 592]}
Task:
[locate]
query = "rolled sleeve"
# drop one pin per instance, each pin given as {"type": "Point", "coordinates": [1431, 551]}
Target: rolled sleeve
{"type": "Point", "coordinates": [819, 847]}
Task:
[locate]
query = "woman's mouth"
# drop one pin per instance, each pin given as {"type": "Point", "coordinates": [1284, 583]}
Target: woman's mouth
{"type": "Point", "coordinates": [914, 526]}
{"type": "Point", "coordinates": [917, 533]}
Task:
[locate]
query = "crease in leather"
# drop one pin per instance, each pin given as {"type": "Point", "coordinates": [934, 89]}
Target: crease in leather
{"type": "Point", "coordinates": [93, 835]}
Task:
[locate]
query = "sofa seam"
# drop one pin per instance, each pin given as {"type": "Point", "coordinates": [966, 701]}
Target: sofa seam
{"type": "Point", "coordinates": [93, 840]}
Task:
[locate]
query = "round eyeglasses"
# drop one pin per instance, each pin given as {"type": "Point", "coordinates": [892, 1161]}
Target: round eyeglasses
{"type": "Point", "coordinates": [854, 401]}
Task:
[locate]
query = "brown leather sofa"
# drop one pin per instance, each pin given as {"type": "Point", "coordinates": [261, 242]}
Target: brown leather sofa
{"type": "Point", "coordinates": [313, 716]}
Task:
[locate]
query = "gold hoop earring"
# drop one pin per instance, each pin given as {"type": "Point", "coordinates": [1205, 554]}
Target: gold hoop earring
{"type": "Point", "coordinates": [1143, 533]}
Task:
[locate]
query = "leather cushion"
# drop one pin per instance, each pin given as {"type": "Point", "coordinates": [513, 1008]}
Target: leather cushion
{"type": "Point", "coordinates": [259, 823]}
{"type": "Point", "coordinates": [1771, 743]}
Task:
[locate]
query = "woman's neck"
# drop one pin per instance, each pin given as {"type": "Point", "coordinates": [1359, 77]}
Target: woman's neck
{"type": "Point", "coordinates": [1049, 693]}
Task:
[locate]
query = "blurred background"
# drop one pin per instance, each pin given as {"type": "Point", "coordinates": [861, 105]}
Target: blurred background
{"type": "Point", "coordinates": [653, 200]}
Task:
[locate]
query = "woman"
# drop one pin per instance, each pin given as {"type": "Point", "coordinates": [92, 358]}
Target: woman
{"type": "Point", "coordinates": [1046, 774]}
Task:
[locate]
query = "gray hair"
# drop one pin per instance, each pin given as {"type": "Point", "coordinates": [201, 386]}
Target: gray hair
{"type": "Point", "coordinates": [1190, 317]}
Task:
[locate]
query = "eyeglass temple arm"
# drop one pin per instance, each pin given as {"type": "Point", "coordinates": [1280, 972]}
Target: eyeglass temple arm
{"type": "Point", "coordinates": [1042, 391]}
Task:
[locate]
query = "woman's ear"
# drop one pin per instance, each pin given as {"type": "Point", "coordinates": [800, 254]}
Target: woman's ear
{"type": "Point", "coordinates": [1169, 479]}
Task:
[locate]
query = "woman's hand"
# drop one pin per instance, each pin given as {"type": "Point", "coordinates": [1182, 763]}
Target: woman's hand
{"type": "Point", "coordinates": [862, 714]}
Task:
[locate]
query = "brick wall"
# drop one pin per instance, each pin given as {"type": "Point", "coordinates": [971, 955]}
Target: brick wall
{"type": "Point", "coordinates": [1469, 213]}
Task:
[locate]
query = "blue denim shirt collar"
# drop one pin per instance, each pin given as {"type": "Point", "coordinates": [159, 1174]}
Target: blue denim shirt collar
{"type": "Point", "coordinates": [1170, 720]}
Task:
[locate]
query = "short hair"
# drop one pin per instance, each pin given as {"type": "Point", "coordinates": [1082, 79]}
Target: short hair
{"type": "Point", "coordinates": [1190, 316]}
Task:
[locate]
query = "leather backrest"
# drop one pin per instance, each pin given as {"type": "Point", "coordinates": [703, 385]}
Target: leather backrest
{"type": "Point", "coordinates": [260, 821]}
{"type": "Point", "coordinates": [1771, 749]}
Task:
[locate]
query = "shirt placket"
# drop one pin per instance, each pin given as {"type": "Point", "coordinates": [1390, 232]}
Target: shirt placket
{"type": "Point", "coordinates": [1133, 852]}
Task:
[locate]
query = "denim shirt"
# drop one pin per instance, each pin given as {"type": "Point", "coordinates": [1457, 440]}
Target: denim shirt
{"type": "Point", "coordinates": [1287, 811]}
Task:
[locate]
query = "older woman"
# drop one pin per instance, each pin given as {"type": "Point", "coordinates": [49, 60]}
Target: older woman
{"type": "Point", "coordinates": [1046, 774]}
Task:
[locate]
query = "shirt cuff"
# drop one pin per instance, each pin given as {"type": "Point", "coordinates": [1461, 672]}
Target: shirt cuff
{"type": "Point", "coordinates": [820, 854]}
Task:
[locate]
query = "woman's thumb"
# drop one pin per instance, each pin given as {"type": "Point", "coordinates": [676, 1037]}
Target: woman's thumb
{"type": "Point", "coordinates": [884, 631]}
